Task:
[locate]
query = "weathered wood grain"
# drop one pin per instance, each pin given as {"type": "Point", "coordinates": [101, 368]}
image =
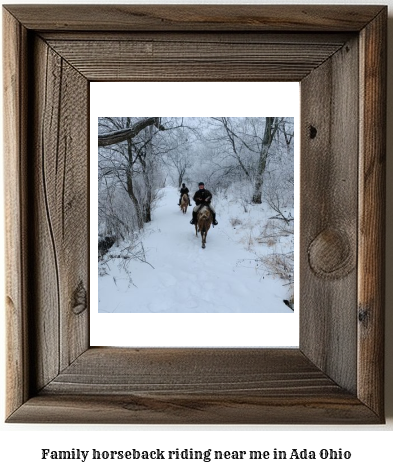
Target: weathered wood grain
{"type": "Point", "coordinates": [193, 386]}
{"type": "Point", "coordinates": [336, 375]}
{"type": "Point", "coordinates": [14, 69]}
{"type": "Point", "coordinates": [329, 173]}
{"type": "Point", "coordinates": [239, 409]}
{"type": "Point", "coordinates": [191, 371]}
{"type": "Point", "coordinates": [187, 60]}
{"type": "Point", "coordinates": [195, 18]}
{"type": "Point", "coordinates": [201, 37]}
{"type": "Point", "coordinates": [60, 178]}
{"type": "Point", "coordinates": [57, 199]}
{"type": "Point", "coordinates": [371, 259]}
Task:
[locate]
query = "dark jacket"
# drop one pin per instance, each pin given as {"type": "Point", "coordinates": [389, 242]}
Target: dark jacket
{"type": "Point", "coordinates": [202, 196]}
{"type": "Point", "coordinates": [184, 191]}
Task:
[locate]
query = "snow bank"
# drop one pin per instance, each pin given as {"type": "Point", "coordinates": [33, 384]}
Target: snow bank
{"type": "Point", "coordinates": [184, 278]}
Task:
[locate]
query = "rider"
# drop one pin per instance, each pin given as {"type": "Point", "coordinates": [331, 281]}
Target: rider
{"type": "Point", "coordinates": [201, 197]}
{"type": "Point", "coordinates": [184, 190]}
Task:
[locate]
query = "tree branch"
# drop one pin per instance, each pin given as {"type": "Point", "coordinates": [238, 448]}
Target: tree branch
{"type": "Point", "coordinates": [117, 136]}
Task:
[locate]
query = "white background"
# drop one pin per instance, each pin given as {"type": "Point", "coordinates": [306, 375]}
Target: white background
{"type": "Point", "coordinates": [370, 445]}
{"type": "Point", "coordinates": [108, 99]}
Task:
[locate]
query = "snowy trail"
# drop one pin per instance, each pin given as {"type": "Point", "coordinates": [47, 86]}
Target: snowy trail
{"type": "Point", "coordinates": [187, 278]}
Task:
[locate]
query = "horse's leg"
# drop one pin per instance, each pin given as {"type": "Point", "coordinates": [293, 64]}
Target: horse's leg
{"type": "Point", "coordinates": [196, 230]}
{"type": "Point", "coordinates": [203, 234]}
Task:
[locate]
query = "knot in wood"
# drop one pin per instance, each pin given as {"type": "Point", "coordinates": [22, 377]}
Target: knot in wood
{"type": "Point", "coordinates": [79, 299]}
{"type": "Point", "coordinates": [313, 132]}
{"type": "Point", "coordinates": [331, 255]}
{"type": "Point", "coordinates": [363, 316]}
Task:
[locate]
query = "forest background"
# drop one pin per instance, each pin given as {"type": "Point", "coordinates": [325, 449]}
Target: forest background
{"type": "Point", "coordinates": [248, 165]}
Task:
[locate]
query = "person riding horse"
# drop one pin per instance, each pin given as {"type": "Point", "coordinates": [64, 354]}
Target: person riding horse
{"type": "Point", "coordinates": [202, 197]}
{"type": "Point", "coordinates": [184, 190]}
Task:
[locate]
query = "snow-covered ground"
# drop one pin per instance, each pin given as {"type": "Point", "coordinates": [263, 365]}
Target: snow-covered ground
{"type": "Point", "coordinates": [184, 278]}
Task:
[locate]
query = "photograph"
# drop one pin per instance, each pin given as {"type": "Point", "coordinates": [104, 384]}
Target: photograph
{"type": "Point", "coordinates": [295, 199]}
{"type": "Point", "coordinates": [196, 214]}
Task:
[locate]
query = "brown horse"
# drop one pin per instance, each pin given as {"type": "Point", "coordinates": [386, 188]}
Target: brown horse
{"type": "Point", "coordinates": [184, 203]}
{"type": "Point", "coordinates": [204, 221]}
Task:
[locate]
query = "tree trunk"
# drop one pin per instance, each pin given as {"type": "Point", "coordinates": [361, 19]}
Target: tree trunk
{"type": "Point", "coordinates": [130, 187]}
{"type": "Point", "coordinates": [135, 202]}
{"type": "Point", "coordinates": [270, 130]}
{"type": "Point", "coordinates": [146, 168]}
{"type": "Point", "coordinates": [181, 176]}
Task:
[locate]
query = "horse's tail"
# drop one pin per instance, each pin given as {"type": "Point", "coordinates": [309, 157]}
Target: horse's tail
{"type": "Point", "coordinates": [184, 203]}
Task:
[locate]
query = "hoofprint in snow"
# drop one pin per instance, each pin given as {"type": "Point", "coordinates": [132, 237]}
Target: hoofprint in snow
{"type": "Point", "coordinates": [184, 278]}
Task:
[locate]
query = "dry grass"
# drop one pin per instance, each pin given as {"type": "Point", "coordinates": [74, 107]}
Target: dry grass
{"type": "Point", "coordinates": [280, 265]}
{"type": "Point", "coordinates": [235, 222]}
{"type": "Point", "coordinates": [276, 234]}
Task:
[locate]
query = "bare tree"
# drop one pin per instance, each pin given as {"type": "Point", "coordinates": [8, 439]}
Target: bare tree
{"type": "Point", "coordinates": [130, 161]}
{"type": "Point", "coordinates": [117, 136]}
{"type": "Point", "coordinates": [181, 156]}
{"type": "Point", "coordinates": [124, 162]}
{"type": "Point", "coordinates": [237, 143]}
{"type": "Point", "coordinates": [271, 126]}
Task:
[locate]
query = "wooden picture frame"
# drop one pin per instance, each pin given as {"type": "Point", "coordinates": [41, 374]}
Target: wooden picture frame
{"type": "Point", "coordinates": [338, 54]}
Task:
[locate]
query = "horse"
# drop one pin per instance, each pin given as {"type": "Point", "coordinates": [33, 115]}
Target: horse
{"type": "Point", "coordinates": [204, 221]}
{"type": "Point", "coordinates": [184, 203]}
